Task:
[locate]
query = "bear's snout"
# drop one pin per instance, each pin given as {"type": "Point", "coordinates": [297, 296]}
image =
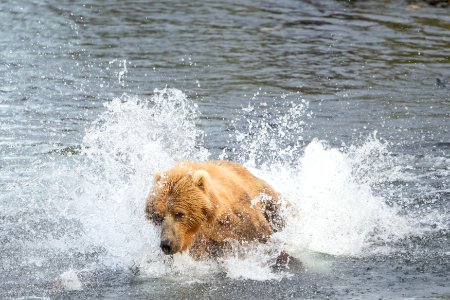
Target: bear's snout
{"type": "Point", "coordinates": [170, 237]}
{"type": "Point", "coordinates": [166, 246]}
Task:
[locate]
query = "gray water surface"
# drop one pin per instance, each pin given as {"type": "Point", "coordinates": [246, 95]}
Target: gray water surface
{"type": "Point", "coordinates": [365, 68]}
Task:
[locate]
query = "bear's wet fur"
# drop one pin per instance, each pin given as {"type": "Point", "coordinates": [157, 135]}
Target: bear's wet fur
{"type": "Point", "coordinates": [202, 207]}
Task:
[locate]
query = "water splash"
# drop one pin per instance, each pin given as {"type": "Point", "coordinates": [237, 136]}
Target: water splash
{"type": "Point", "coordinates": [270, 135]}
{"type": "Point", "coordinates": [336, 206]}
{"type": "Point", "coordinates": [337, 212]}
{"type": "Point", "coordinates": [123, 148]}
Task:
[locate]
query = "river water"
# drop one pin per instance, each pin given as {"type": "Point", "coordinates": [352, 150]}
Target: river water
{"type": "Point", "coordinates": [335, 103]}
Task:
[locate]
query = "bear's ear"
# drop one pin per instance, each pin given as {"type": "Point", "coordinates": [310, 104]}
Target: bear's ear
{"type": "Point", "coordinates": [200, 178]}
{"type": "Point", "coordinates": [157, 176]}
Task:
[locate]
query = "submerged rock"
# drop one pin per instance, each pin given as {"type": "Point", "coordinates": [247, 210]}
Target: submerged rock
{"type": "Point", "coordinates": [443, 82]}
{"type": "Point", "coordinates": [441, 3]}
{"type": "Point", "coordinates": [438, 2]}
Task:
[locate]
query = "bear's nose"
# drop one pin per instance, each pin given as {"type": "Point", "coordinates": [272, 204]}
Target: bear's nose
{"type": "Point", "coordinates": [166, 246]}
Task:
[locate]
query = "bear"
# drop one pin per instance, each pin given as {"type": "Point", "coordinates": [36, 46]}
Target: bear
{"type": "Point", "coordinates": [202, 207]}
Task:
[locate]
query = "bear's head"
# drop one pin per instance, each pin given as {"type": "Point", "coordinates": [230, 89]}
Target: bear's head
{"type": "Point", "coordinates": [180, 203]}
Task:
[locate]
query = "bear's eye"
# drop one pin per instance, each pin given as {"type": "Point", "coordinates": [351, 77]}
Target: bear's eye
{"type": "Point", "coordinates": [157, 218]}
{"type": "Point", "coordinates": [178, 216]}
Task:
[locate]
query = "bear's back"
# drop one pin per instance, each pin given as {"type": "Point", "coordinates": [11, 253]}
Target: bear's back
{"type": "Point", "coordinates": [235, 180]}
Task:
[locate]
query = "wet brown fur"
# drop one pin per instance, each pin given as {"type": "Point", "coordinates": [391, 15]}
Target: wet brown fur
{"type": "Point", "coordinates": [203, 206]}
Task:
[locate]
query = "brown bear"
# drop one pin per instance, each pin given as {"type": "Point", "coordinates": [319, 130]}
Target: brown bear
{"type": "Point", "coordinates": [205, 206]}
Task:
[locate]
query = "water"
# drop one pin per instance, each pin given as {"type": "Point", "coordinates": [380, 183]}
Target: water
{"type": "Point", "coordinates": [334, 103]}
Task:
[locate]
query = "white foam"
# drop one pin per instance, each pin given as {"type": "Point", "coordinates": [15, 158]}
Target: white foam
{"type": "Point", "coordinates": [180, 267]}
{"type": "Point", "coordinates": [69, 281]}
{"type": "Point", "coordinates": [250, 267]}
